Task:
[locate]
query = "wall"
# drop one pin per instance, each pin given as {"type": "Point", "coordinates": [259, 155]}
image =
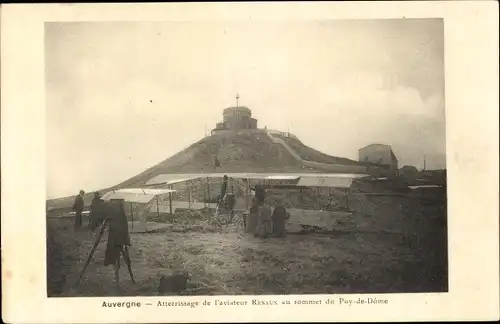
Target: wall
{"type": "Point", "coordinates": [237, 131]}
{"type": "Point", "coordinates": [379, 154]}
{"type": "Point", "coordinates": [239, 123]}
{"type": "Point", "coordinates": [236, 118]}
{"type": "Point", "coordinates": [253, 123]}
{"type": "Point", "coordinates": [236, 115]}
{"type": "Point", "coordinates": [375, 154]}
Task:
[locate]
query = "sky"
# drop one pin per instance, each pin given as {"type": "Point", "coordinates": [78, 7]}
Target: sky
{"type": "Point", "coordinates": [122, 97]}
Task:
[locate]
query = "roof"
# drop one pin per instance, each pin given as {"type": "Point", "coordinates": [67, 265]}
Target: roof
{"type": "Point", "coordinates": [342, 180]}
{"type": "Point", "coordinates": [385, 146]}
{"type": "Point", "coordinates": [136, 195]}
{"type": "Point", "coordinates": [239, 108]}
{"type": "Point", "coordinates": [376, 144]}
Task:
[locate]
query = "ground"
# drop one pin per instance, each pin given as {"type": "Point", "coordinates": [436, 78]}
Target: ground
{"type": "Point", "coordinates": [389, 244]}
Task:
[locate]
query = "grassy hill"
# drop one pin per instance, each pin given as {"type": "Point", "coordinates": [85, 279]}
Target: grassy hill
{"type": "Point", "coordinates": [245, 152]}
{"type": "Point", "coordinates": [310, 154]}
{"type": "Point", "coordinates": [236, 153]}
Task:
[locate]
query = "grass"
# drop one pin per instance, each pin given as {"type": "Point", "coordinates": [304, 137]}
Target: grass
{"type": "Point", "coordinates": [63, 250]}
{"type": "Point", "coordinates": [310, 154]}
{"type": "Point", "coordinates": [389, 244]}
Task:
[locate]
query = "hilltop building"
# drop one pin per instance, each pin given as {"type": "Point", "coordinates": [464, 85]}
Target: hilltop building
{"type": "Point", "coordinates": [236, 118]}
{"type": "Point", "coordinates": [380, 154]}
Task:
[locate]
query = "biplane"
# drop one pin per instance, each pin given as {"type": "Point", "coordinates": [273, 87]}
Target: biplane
{"type": "Point", "coordinates": [201, 191]}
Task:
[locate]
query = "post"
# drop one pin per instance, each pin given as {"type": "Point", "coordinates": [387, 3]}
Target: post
{"type": "Point", "coordinates": [205, 198]}
{"type": "Point", "coordinates": [208, 189]}
{"type": "Point", "coordinates": [170, 202]}
{"type": "Point", "coordinates": [247, 198]}
{"type": "Point", "coordinates": [145, 217]}
{"type": "Point", "coordinates": [157, 208]}
{"type": "Point", "coordinates": [318, 198]}
{"type": "Point", "coordinates": [329, 198]}
{"type": "Point", "coordinates": [132, 214]}
{"type": "Point", "coordinates": [301, 200]}
{"type": "Point", "coordinates": [347, 198]}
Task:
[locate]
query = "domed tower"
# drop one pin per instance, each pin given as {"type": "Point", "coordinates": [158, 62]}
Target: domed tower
{"type": "Point", "coordinates": [236, 118]}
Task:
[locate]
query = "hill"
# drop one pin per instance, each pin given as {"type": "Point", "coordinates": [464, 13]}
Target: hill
{"type": "Point", "coordinates": [236, 152]}
{"type": "Point", "coordinates": [310, 154]}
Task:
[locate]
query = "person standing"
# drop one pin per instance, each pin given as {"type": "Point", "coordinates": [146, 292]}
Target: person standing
{"type": "Point", "coordinates": [78, 209]}
{"type": "Point", "coordinates": [264, 220]}
{"type": "Point", "coordinates": [251, 222]}
{"type": "Point", "coordinates": [224, 187]}
{"type": "Point", "coordinates": [260, 194]}
{"type": "Point", "coordinates": [94, 216]}
{"type": "Point", "coordinates": [279, 218]}
{"type": "Point", "coordinates": [118, 237]}
{"type": "Point", "coordinates": [230, 202]}
{"type": "Point", "coordinates": [223, 190]}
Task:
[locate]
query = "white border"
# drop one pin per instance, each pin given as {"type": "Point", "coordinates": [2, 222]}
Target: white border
{"type": "Point", "coordinates": [471, 49]}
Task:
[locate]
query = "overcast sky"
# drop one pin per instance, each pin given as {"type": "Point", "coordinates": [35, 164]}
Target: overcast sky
{"type": "Point", "coordinates": [122, 97]}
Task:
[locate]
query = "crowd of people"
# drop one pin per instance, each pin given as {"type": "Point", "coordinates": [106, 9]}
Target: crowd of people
{"type": "Point", "coordinates": [264, 221]}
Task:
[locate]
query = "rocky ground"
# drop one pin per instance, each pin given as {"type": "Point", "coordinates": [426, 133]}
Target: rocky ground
{"type": "Point", "coordinates": [389, 244]}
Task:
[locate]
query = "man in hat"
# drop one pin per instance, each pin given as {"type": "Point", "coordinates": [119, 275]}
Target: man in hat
{"type": "Point", "coordinates": [264, 220]}
{"type": "Point", "coordinates": [223, 190]}
{"type": "Point", "coordinates": [279, 218]}
{"type": "Point", "coordinates": [78, 209]}
{"type": "Point", "coordinates": [251, 221]}
{"type": "Point", "coordinates": [118, 237]}
{"type": "Point", "coordinates": [224, 187]}
{"type": "Point", "coordinates": [230, 202]}
{"type": "Point", "coordinates": [94, 217]}
{"type": "Point", "coordinates": [260, 194]}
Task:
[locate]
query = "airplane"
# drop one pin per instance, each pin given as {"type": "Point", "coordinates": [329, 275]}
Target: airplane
{"type": "Point", "coordinates": [158, 187]}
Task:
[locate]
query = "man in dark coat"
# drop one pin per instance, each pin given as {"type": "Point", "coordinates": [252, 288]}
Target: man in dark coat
{"type": "Point", "coordinates": [264, 220]}
{"type": "Point", "coordinates": [78, 208]}
{"type": "Point", "coordinates": [223, 189]}
{"type": "Point", "coordinates": [251, 222]}
{"type": "Point", "coordinates": [280, 216]}
{"type": "Point", "coordinates": [118, 237]}
{"type": "Point", "coordinates": [95, 218]}
{"type": "Point", "coordinates": [260, 194]}
{"type": "Point", "coordinates": [230, 202]}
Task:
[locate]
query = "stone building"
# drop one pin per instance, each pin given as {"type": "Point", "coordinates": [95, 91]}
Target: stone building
{"type": "Point", "coordinates": [236, 118]}
{"type": "Point", "coordinates": [380, 154]}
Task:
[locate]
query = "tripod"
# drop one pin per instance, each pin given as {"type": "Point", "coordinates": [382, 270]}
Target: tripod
{"type": "Point", "coordinates": [123, 251]}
